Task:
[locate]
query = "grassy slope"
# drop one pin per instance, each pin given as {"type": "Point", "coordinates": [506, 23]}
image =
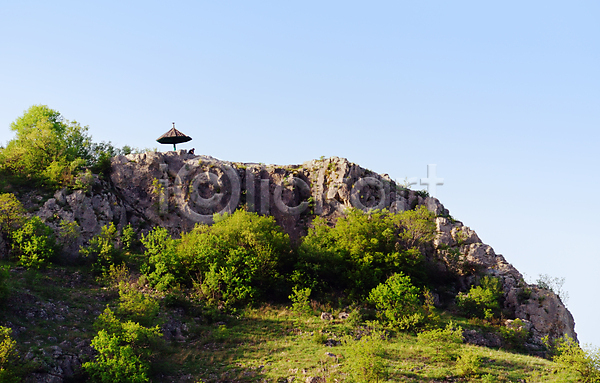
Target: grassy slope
{"type": "Point", "coordinates": [58, 306]}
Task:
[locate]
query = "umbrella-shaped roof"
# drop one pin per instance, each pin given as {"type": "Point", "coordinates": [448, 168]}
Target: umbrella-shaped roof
{"type": "Point", "coordinates": [173, 136]}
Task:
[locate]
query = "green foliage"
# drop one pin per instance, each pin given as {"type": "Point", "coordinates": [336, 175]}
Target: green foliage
{"type": "Point", "coordinates": [364, 358]}
{"type": "Point", "coordinates": [8, 355]}
{"type": "Point", "coordinates": [46, 148]}
{"type": "Point", "coordinates": [115, 275]}
{"type": "Point", "coordinates": [300, 300]}
{"type": "Point", "coordinates": [115, 362]}
{"type": "Point", "coordinates": [136, 306]}
{"type": "Point", "coordinates": [568, 355]}
{"type": "Point", "coordinates": [445, 341]}
{"type": "Point", "coordinates": [397, 302]}
{"type": "Point", "coordinates": [482, 301]}
{"type": "Point", "coordinates": [128, 238]}
{"type": "Point", "coordinates": [238, 259]}
{"type": "Point", "coordinates": [102, 250]}
{"type": "Point", "coordinates": [53, 151]}
{"type": "Point", "coordinates": [34, 243]}
{"type": "Point", "coordinates": [162, 260]}
{"type": "Point", "coordinates": [515, 335]}
{"type": "Point", "coordinates": [124, 350]}
{"type": "Point", "coordinates": [468, 363]}
{"type": "Point", "coordinates": [362, 249]}
{"type": "Point", "coordinates": [12, 215]}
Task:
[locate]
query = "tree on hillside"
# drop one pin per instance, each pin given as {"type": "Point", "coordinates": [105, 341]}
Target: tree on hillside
{"type": "Point", "coordinates": [51, 149]}
{"type": "Point", "coordinates": [46, 147]}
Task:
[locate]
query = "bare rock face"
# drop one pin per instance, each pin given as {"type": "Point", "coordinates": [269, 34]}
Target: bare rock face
{"type": "Point", "coordinates": [178, 190]}
{"type": "Point", "coordinates": [547, 315]}
{"type": "Point", "coordinates": [462, 251]}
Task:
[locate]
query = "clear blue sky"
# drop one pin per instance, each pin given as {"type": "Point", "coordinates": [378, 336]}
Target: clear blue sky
{"type": "Point", "coordinates": [503, 97]}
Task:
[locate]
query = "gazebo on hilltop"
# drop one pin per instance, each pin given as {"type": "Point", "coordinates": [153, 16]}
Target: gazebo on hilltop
{"type": "Point", "coordinates": [173, 136]}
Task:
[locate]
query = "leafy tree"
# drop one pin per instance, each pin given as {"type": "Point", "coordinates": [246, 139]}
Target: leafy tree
{"type": "Point", "coordinates": [52, 150]}
{"type": "Point", "coordinates": [47, 147]}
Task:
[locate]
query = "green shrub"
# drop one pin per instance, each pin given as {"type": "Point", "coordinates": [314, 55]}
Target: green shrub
{"type": "Point", "coordinates": [34, 243]}
{"type": "Point", "coordinates": [128, 238]}
{"type": "Point", "coordinates": [115, 361]}
{"type": "Point", "coordinates": [162, 261]}
{"type": "Point", "coordinates": [8, 355]}
{"type": "Point", "coordinates": [482, 301]}
{"type": "Point", "coordinates": [300, 300]}
{"type": "Point", "coordinates": [397, 302]}
{"type": "Point", "coordinates": [239, 259]}
{"type": "Point", "coordinates": [362, 249]}
{"type": "Point", "coordinates": [136, 306]}
{"type": "Point", "coordinates": [124, 350]}
{"type": "Point", "coordinates": [364, 358]}
{"type": "Point", "coordinates": [515, 335]}
{"type": "Point", "coordinates": [69, 232]}
{"type": "Point", "coordinates": [568, 355]}
{"type": "Point", "coordinates": [102, 250]}
{"type": "Point", "coordinates": [445, 341]}
{"type": "Point", "coordinates": [468, 363]}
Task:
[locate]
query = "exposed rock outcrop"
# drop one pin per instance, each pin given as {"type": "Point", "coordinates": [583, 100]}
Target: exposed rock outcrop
{"type": "Point", "coordinates": [178, 190]}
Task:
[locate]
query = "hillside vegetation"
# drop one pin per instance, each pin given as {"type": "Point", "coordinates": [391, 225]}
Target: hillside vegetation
{"type": "Point", "coordinates": [355, 301]}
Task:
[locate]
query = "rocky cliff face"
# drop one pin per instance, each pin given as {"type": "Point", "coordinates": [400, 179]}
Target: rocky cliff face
{"type": "Point", "coordinates": [178, 190]}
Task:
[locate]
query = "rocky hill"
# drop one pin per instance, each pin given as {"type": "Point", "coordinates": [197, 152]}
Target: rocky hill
{"type": "Point", "coordinates": [177, 190]}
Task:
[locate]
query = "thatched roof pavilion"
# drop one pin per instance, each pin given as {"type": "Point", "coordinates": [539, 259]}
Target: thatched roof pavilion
{"type": "Point", "coordinates": [174, 137]}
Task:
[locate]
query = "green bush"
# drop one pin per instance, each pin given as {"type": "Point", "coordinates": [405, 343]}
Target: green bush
{"type": "Point", "coordinates": [468, 363]}
{"type": "Point", "coordinates": [136, 306]}
{"type": "Point", "coordinates": [568, 355]}
{"type": "Point", "coordinates": [515, 335]}
{"type": "Point", "coordinates": [445, 341]}
{"type": "Point", "coordinates": [162, 263]}
{"type": "Point", "coordinates": [364, 358]}
{"type": "Point", "coordinates": [102, 250]}
{"type": "Point", "coordinates": [362, 249]}
{"type": "Point", "coordinates": [34, 243]}
{"type": "Point", "coordinates": [241, 258]}
{"type": "Point", "coordinates": [482, 301]}
{"type": "Point", "coordinates": [8, 356]}
{"type": "Point", "coordinates": [128, 238]}
{"type": "Point", "coordinates": [397, 302]}
{"type": "Point", "coordinates": [300, 300]}
{"type": "Point", "coordinates": [124, 350]}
